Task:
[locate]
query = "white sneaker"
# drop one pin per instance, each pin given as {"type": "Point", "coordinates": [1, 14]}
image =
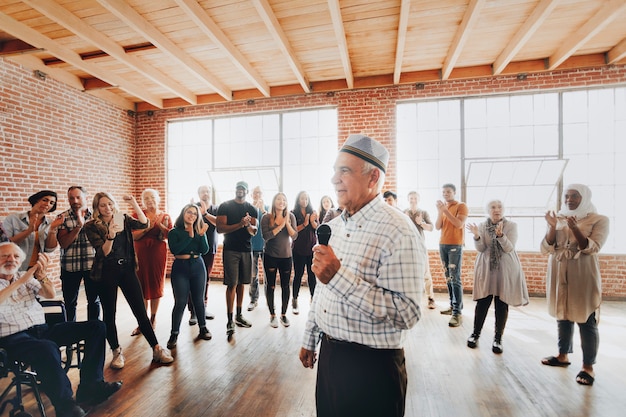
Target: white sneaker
{"type": "Point", "coordinates": [161, 355]}
{"type": "Point", "coordinates": [118, 359]}
{"type": "Point", "coordinates": [273, 322]}
{"type": "Point", "coordinates": [252, 305]}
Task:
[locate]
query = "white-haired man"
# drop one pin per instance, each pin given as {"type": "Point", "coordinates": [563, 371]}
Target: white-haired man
{"type": "Point", "coordinates": [26, 337]}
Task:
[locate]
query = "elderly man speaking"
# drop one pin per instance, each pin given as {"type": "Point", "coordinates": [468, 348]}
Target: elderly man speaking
{"type": "Point", "coordinates": [26, 337]}
{"type": "Point", "coordinates": [371, 273]}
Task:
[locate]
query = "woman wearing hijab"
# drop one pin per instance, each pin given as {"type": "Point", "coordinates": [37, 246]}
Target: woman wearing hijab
{"type": "Point", "coordinates": [498, 273]}
{"type": "Point", "coordinates": [573, 284]}
{"type": "Point", "coordinates": [31, 230]}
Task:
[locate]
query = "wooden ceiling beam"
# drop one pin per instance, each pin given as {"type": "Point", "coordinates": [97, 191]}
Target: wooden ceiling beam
{"type": "Point", "coordinates": [462, 34]}
{"type": "Point", "coordinates": [273, 26]}
{"type": "Point", "coordinates": [16, 47]}
{"type": "Point", "coordinates": [342, 43]}
{"type": "Point", "coordinates": [74, 24]}
{"type": "Point", "coordinates": [403, 22]}
{"type": "Point", "coordinates": [609, 12]}
{"type": "Point", "coordinates": [128, 15]}
{"type": "Point", "coordinates": [31, 36]}
{"type": "Point", "coordinates": [206, 24]}
{"type": "Point", "coordinates": [528, 29]}
{"type": "Point", "coordinates": [617, 53]}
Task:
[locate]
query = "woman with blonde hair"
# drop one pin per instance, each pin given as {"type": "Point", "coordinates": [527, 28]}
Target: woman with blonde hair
{"type": "Point", "coordinates": [110, 233]}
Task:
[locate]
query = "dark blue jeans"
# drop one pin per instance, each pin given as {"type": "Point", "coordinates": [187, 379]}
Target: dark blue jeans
{"type": "Point", "coordinates": [451, 258]}
{"type": "Point", "coordinates": [70, 284]}
{"type": "Point", "coordinates": [39, 347]}
{"type": "Point", "coordinates": [299, 262]}
{"type": "Point", "coordinates": [188, 280]}
{"type": "Point", "coordinates": [589, 338]}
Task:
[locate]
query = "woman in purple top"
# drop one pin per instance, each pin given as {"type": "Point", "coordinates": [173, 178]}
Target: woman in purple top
{"type": "Point", "coordinates": [278, 229]}
{"type": "Point", "coordinates": [307, 221]}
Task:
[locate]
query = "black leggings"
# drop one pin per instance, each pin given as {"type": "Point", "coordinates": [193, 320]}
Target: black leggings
{"type": "Point", "coordinates": [283, 266]}
{"type": "Point", "coordinates": [480, 313]}
{"type": "Point", "coordinates": [124, 277]}
{"type": "Point", "coordinates": [299, 262]}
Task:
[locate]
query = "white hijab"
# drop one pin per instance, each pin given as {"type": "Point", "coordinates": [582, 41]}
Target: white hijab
{"type": "Point", "coordinates": [584, 208]}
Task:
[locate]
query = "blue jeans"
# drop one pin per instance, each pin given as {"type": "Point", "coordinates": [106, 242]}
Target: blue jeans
{"type": "Point", "coordinates": [188, 278]}
{"type": "Point", "coordinates": [589, 338]}
{"type": "Point", "coordinates": [70, 284]}
{"type": "Point", "coordinates": [254, 285]}
{"type": "Point", "coordinates": [451, 258]}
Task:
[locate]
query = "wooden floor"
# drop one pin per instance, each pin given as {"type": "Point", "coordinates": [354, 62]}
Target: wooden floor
{"type": "Point", "coordinates": [260, 374]}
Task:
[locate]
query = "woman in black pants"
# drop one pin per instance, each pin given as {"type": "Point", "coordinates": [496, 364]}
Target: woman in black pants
{"type": "Point", "coordinates": [114, 266]}
{"type": "Point", "coordinates": [278, 229]}
{"type": "Point", "coordinates": [307, 221]}
{"type": "Point", "coordinates": [498, 272]}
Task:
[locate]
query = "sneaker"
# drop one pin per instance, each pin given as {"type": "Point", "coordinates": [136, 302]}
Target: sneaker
{"type": "Point", "coordinates": [447, 312]}
{"type": "Point", "coordinates": [161, 355]}
{"type": "Point", "coordinates": [273, 322]}
{"type": "Point", "coordinates": [193, 320]}
{"type": "Point", "coordinates": [97, 393]}
{"type": "Point", "coordinates": [241, 322]}
{"type": "Point", "coordinates": [171, 343]}
{"type": "Point", "coordinates": [118, 359]}
{"type": "Point", "coordinates": [497, 346]}
{"type": "Point", "coordinates": [284, 321]}
{"type": "Point", "coordinates": [230, 328]}
{"type": "Point", "coordinates": [472, 341]}
{"type": "Point", "coordinates": [431, 304]}
{"type": "Point", "coordinates": [294, 306]}
{"type": "Point", "coordinates": [205, 334]}
{"type": "Point", "coordinates": [456, 320]}
{"type": "Point", "coordinates": [252, 305]}
{"type": "Point", "coordinates": [208, 315]}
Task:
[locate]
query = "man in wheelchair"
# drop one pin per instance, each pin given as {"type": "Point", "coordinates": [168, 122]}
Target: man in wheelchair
{"type": "Point", "coordinates": [26, 337]}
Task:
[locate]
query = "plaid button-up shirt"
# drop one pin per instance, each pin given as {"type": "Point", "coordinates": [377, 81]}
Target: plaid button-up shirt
{"type": "Point", "coordinates": [79, 254]}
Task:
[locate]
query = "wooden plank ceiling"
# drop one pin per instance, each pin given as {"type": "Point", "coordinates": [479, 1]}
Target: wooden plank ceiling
{"type": "Point", "coordinates": [156, 54]}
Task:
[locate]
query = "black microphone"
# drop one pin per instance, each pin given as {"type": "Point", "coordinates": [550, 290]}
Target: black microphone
{"type": "Point", "coordinates": [323, 233]}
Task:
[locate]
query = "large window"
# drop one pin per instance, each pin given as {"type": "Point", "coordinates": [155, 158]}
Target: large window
{"type": "Point", "coordinates": [520, 149]}
{"type": "Point", "coordinates": [286, 152]}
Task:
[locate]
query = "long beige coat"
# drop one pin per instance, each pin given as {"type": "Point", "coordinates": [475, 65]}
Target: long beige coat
{"type": "Point", "coordinates": [508, 281]}
{"type": "Point", "coordinates": [573, 282]}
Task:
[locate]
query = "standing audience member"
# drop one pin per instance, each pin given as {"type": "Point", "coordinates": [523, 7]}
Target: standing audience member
{"type": "Point", "coordinates": [498, 272]}
{"type": "Point", "coordinates": [421, 220]}
{"type": "Point", "coordinates": [368, 295]}
{"type": "Point", "coordinates": [209, 216]}
{"type": "Point", "coordinates": [332, 213]}
{"type": "Point", "coordinates": [391, 198]}
{"type": "Point", "coordinates": [326, 205]}
{"type": "Point", "coordinates": [151, 251]}
{"type": "Point", "coordinates": [451, 216]}
{"type": "Point", "coordinates": [187, 241]}
{"type": "Point", "coordinates": [26, 337]}
{"type": "Point", "coordinates": [114, 267]}
{"type": "Point", "coordinates": [236, 218]}
{"type": "Point", "coordinates": [31, 230]}
{"type": "Point", "coordinates": [302, 247]}
{"type": "Point", "coordinates": [278, 228]}
{"type": "Point", "coordinates": [258, 247]}
{"type": "Point", "coordinates": [77, 255]}
{"type": "Point", "coordinates": [573, 285]}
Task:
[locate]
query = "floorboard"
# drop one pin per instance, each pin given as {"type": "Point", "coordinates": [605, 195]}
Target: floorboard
{"type": "Point", "coordinates": [259, 374]}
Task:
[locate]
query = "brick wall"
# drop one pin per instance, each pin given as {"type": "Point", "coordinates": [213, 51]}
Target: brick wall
{"type": "Point", "coordinates": [53, 136]}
